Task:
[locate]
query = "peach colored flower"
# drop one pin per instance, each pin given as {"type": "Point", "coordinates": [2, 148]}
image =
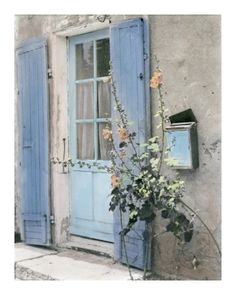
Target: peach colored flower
{"type": "Point", "coordinates": [115, 181]}
{"type": "Point", "coordinates": [107, 134]}
{"type": "Point", "coordinates": [123, 133]}
{"type": "Point", "coordinates": [156, 79]}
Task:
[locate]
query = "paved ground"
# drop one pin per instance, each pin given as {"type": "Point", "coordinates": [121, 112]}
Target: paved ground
{"type": "Point", "coordinates": [36, 263]}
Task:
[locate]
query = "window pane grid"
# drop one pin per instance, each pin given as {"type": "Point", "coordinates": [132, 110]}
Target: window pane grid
{"type": "Point", "coordinates": [91, 79]}
{"type": "Point", "coordinates": [95, 98]}
{"type": "Point", "coordinates": [84, 101]}
{"type": "Point", "coordinates": [96, 120]}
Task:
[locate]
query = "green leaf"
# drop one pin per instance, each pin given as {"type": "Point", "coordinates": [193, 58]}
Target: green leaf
{"type": "Point", "coordinates": [133, 214]}
{"type": "Point", "coordinates": [165, 213]}
{"type": "Point", "coordinates": [143, 156]}
{"type": "Point", "coordinates": [161, 192]}
{"type": "Point", "coordinates": [154, 147]}
{"type": "Point", "coordinates": [181, 218]}
{"type": "Point", "coordinates": [146, 213]}
{"type": "Point", "coordinates": [157, 114]}
{"type": "Point", "coordinates": [152, 180]}
{"type": "Point", "coordinates": [176, 186]}
{"type": "Point", "coordinates": [143, 144]}
{"type": "Point", "coordinates": [171, 162]}
{"type": "Point", "coordinates": [122, 144]}
{"type": "Point", "coordinates": [161, 179]}
{"type": "Point", "coordinates": [188, 236]}
{"type": "Point", "coordinates": [153, 139]}
{"type": "Point", "coordinates": [154, 162]}
{"type": "Point", "coordinates": [171, 227]}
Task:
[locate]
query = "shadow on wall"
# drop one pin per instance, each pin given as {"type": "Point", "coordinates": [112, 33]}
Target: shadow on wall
{"type": "Point", "coordinates": [17, 238]}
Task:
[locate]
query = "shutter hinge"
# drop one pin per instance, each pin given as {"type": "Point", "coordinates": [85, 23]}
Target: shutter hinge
{"type": "Point", "coordinates": [49, 73]}
{"type": "Point", "coordinates": [52, 219]}
{"type": "Point", "coordinates": [145, 56]}
{"type": "Point", "coordinates": [141, 76]}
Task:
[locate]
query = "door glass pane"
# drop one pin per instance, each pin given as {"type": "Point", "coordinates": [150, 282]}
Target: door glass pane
{"type": "Point", "coordinates": [84, 61]}
{"type": "Point", "coordinates": [85, 141]}
{"type": "Point", "coordinates": [104, 99]}
{"type": "Point", "coordinates": [103, 57]}
{"type": "Point", "coordinates": [84, 101]}
{"type": "Point", "coordinates": [104, 145]}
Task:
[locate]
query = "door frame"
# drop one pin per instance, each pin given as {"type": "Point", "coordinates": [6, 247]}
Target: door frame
{"type": "Point", "coordinates": [59, 118]}
{"type": "Point", "coordinates": [60, 126]}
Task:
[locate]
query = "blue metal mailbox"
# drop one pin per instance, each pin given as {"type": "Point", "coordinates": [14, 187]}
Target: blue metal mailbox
{"type": "Point", "coordinates": [182, 144]}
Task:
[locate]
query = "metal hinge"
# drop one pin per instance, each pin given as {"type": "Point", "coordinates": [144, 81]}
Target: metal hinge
{"type": "Point", "coordinates": [141, 76]}
{"type": "Point", "coordinates": [52, 219]}
{"type": "Point", "coordinates": [145, 56]}
{"type": "Point", "coordinates": [49, 73]}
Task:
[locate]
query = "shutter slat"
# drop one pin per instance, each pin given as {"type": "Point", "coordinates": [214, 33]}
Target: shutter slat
{"type": "Point", "coordinates": [127, 57]}
{"type": "Point", "coordinates": [33, 98]}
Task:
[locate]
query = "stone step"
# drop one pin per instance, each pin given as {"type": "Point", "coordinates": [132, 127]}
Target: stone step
{"type": "Point", "coordinates": [89, 245]}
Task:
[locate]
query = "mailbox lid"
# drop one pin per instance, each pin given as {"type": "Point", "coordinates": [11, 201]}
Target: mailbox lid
{"type": "Point", "coordinates": [181, 126]}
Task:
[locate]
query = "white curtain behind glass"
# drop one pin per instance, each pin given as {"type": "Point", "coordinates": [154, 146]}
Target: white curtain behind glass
{"type": "Point", "coordinates": [104, 111]}
{"type": "Point", "coordinates": [84, 110]}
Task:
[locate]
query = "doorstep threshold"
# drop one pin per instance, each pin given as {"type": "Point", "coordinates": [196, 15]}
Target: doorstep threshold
{"type": "Point", "coordinates": [92, 246]}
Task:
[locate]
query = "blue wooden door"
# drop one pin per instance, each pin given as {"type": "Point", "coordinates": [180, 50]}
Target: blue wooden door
{"type": "Point", "coordinates": [130, 73]}
{"type": "Point", "coordinates": [89, 112]}
{"type": "Point", "coordinates": [33, 101]}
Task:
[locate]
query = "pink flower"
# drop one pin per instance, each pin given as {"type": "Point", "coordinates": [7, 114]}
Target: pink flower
{"type": "Point", "coordinates": [156, 79]}
{"type": "Point", "coordinates": [107, 134]}
{"type": "Point", "coordinates": [123, 133]}
{"type": "Point", "coordinates": [115, 181]}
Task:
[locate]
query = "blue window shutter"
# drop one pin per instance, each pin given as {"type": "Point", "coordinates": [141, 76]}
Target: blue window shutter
{"type": "Point", "coordinates": [31, 58]}
{"type": "Point", "coordinates": [130, 77]}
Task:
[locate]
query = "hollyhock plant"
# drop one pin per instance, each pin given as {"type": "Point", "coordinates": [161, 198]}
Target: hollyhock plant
{"type": "Point", "coordinates": [141, 188]}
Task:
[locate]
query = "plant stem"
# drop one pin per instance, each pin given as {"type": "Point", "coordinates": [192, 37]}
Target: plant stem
{"type": "Point", "coordinates": [160, 165]}
{"type": "Point", "coordinates": [204, 224]}
{"type": "Point", "coordinates": [124, 243]}
{"type": "Point", "coordinates": [118, 105]}
{"type": "Point", "coordinates": [157, 235]}
{"type": "Point", "coordinates": [122, 161]}
{"type": "Point", "coordinates": [146, 256]}
{"type": "Point", "coordinates": [123, 117]}
{"type": "Point", "coordinates": [162, 131]}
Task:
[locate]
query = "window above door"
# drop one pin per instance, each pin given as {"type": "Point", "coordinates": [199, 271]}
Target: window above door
{"type": "Point", "coordinates": [90, 110]}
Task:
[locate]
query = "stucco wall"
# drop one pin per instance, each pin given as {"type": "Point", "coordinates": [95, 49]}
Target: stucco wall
{"type": "Point", "coordinates": [188, 48]}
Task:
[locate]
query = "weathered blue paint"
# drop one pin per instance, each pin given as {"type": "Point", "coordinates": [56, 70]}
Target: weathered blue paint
{"type": "Point", "coordinates": [33, 108]}
{"type": "Point", "coordinates": [129, 65]}
{"type": "Point", "coordinates": [89, 188]}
